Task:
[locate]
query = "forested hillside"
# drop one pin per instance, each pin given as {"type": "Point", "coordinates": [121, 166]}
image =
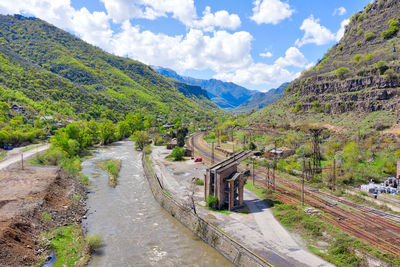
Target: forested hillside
{"type": "Point", "coordinates": [356, 83]}
{"type": "Point", "coordinates": [54, 73]}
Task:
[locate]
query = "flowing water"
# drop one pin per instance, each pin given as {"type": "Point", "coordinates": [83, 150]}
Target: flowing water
{"type": "Point", "coordinates": [136, 230]}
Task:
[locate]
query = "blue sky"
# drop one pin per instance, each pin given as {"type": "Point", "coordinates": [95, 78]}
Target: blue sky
{"type": "Point", "coordinates": [258, 43]}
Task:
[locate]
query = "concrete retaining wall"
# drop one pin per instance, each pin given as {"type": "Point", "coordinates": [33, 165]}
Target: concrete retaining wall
{"type": "Point", "coordinates": [228, 247]}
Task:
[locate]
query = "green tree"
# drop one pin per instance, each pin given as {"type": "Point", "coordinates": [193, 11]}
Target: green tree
{"type": "Point", "coordinates": [123, 129]}
{"type": "Point", "coordinates": [107, 130]}
{"type": "Point", "coordinates": [178, 153]}
{"type": "Point", "coordinates": [141, 138]}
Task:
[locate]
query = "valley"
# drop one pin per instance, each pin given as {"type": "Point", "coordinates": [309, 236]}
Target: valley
{"type": "Point", "coordinates": [139, 146]}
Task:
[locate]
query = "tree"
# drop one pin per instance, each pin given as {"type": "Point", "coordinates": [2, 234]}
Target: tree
{"type": "Point", "coordinates": [107, 130]}
{"type": "Point", "coordinates": [181, 134]}
{"type": "Point", "coordinates": [178, 153]}
{"type": "Point", "coordinates": [141, 138]}
{"type": "Point", "coordinates": [123, 129]}
{"type": "Point", "coordinates": [252, 146]}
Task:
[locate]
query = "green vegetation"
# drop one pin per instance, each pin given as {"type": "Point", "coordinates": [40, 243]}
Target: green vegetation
{"type": "Point", "coordinates": [46, 217]}
{"type": "Point", "coordinates": [29, 148]}
{"type": "Point", "coordinates": [393, 29]}
{"type": "Point", "coordinates": [342, 72]}
{"type": "Point", "coordinates": [94, 242]}
{"type": "Point", "coordinates": [381, 66]}
{"type": "Point", "coordinates": [211, 201]}
{"type": "Point", "coordinates": [69, 244]}
{"type": "Point", "coordinates": [177, 154]}
{"type": "Point", "coordinates": [112, 167]}
{"type": "Point", "coordinates": [198, 181]}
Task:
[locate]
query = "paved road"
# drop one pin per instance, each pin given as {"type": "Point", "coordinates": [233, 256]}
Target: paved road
{"type": "Point", "coordinates": [14, 155]}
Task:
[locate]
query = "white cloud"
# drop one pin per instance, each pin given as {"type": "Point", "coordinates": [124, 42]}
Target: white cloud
{"type": "Point", "coordinates": [120, 10]}
{"type": "Point", "coordinates": [342, 29]}
{"type": "Point", "coordinates": [270, 11]}
{"type": "Point", "coordinates": [266, 54]}
{"type": "Point", "coordinates": [221, 19]}
{"type": "Point", "coordinates": [340, 11]}
{"type": "Point", "coordinates": [220, 52]}
{"type": "Point", "coordinates": [227, 54]}
{"type": "Point", "coordinates": [293, 57]}
{"type": "Point", "coordinates": [314, 33]}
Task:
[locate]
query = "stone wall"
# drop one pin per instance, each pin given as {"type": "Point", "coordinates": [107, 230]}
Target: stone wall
{"type": "Point", "coordinates": [224, 244]}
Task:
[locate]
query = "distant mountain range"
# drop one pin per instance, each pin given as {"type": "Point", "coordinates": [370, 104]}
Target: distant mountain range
{"type": "Point", "coordinates": [261, 99]}
{"type": "Point", "coordinates": [225, 94]}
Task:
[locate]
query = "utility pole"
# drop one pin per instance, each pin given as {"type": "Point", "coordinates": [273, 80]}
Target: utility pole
{"type": "Point", "coordinates": [334, 175]}
{"type": "Point", "coordinates": [268, 178]}
{"type": "Point", "coordinates": [22, 160]}
{"type": "Point", "coordinates": [302, 183]}
{"type": "Point", "coordinates": [253, 168]}
{"type": "Point", "coordinates": [212, 154]}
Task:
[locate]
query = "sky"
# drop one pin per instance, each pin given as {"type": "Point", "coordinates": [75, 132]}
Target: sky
{"type": "Point", "coordinates": [258, 44]}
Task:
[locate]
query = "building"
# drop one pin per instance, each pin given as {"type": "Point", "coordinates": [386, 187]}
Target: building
{"type": "Point", "coordinates": [282, 152]}
{"type": "Point", "coordinates": [398, 170]}
{"type": "Point", "coordinates": [172, 144]}
{"type": "Point", "coordinates": [224, 181]}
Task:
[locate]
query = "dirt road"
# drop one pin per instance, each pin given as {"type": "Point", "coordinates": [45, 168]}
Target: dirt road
{"type": "Point", "coordinates": [14, 155]}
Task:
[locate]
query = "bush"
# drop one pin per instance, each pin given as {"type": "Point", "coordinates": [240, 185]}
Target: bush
{"type": "Point", "coordinates": [211, 201]}
{"type": "Point", "coordinates": [147, 150]}
{"type": "Point", "coordinates": [381, 66]}
{"type": "Point", "coordinates": [369, 36]}
{"type": "Point", "coordinates": [198, 181]}
{"type": "Point", "coordinates": [393, 29]}
{"type": "Point", "coordinates": [177, 153]}
{"type": "Point", "coordinates": [390, 75]}
{"type": "Point", "coordinates": [342, 72]}
{"type": "Point", "coordinates": [94, 242]}
{"type": "Point", "coordinates": [46, 217]}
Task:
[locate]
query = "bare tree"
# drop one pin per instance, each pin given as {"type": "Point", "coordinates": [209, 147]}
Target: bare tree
{"type": "Point", "coordinates": [190, 195]}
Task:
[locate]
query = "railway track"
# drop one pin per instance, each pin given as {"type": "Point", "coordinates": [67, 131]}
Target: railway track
{"type": "Point", "coordinates": [373, 226]}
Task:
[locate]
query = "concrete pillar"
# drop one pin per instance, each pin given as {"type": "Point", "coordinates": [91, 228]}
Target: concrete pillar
{"type": "Point", "coordinates": [398, 170]}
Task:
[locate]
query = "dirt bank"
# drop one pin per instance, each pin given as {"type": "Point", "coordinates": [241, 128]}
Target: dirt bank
{"type": "Point", "coordinates": [25, 196]}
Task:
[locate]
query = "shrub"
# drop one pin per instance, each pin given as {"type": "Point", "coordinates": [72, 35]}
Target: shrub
{"type": "Point", "coordinates": [76, 198]}
{"type": "Point", "coordinates": [342, 72]}
{"type": "Point", "coordinates": [358, 43]}
{"type": "Point", "coordinates": [211, 201]}
{"type": "Point", "coordinates": [177, 153]}
{"type": "Point", "coordinates": [46, 217]}
{"type": "Point", "coordinates": [381, 66]}
{"type": "Point", "coordinates": [393, 29]}
{"type": "Point", "coordinates": [368, 57]}
{"type": "Point", "coordinates": [369, 36]}
{"type": "Point", "coordinates": [390, 75]}
{"type": "Point", "coordinates": [198, 181]}
{"type": "Point", "coordinates": [357, 57]}
{"type": "Point", "coordinates": [94, 242]}
{"type": "Point", "coordinates": [147, 150]}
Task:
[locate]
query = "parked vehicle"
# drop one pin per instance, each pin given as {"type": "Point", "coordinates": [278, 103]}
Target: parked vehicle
{"type": "Point", "coordinates": [198, 159]}
{"type": "Point", "coordinates": [7, 147]}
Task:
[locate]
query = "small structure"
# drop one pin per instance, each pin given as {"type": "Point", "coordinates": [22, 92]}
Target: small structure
{"type": "Point", "coordinates": [172, 144]}
{"type": "Point", "coordinates": [188, 151]}
{"type": "Point", "coordinates": [282, 152]}
{"type": "Point", "coordinates": [224, 181]}
{"type": "Point", "coordinates": [18, 109]}
{"type": "Point", "coordinates": [398, 170]}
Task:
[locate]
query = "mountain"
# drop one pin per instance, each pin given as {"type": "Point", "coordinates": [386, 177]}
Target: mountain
{"type": "Point", "coordinates": [52, 72]}
{"type": "Point", "coordinates": [226, 95]}
{"type": "Point", "coordinates": [261, 99]}
{"type": "Point", "coordinates": [356, 83]}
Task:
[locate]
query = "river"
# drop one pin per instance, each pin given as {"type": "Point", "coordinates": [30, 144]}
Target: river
{"type": "Point", "coordinates": [136, 230]}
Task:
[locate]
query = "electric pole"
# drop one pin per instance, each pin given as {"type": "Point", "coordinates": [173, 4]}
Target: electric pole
{"type": "Point", "coordinates": [302, 183]}
{"type": "Point", "coordinates": [334, 175]}
{"type": "Point", "coordinates": [22, 160]}
{"type": "Point", "coordinates": [212, 153]}
{"type": "Point", "coordinates": [253, 168]}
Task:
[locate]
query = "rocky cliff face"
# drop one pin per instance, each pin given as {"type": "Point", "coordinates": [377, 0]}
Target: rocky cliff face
{"type": "Point", "coordinates": [361, 72]}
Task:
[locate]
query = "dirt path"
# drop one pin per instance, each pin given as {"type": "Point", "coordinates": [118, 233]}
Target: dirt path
{"type": "Point", "coordinates": [14, 155]}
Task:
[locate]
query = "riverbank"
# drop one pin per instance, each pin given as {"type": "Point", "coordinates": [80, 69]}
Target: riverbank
{"type": "Point", "coordinates": [34, 200]}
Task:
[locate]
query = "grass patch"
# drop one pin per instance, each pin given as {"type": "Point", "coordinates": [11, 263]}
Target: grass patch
{"type": "Point", "coordinates": [29, 148]}
{"type": "Point", "coordinates": [2, 155]}
{"type": "Point", "coordinates": [167, 192]}
{"type": "Point", "coordinates": [70, 245]}
{"type": "Point", "coordinates": [112, 167]}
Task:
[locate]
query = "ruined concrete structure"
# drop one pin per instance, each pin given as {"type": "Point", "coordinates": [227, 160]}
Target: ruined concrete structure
{"type": "Point", "coordinates": [398, 169]}
{"type": "Point", "coordinates": [226, 182]}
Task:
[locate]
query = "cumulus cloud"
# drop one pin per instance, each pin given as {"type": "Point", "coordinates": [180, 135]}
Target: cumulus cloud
{"type": "Point", "coordinates": [221, 19]}
{"type": "Point", "coordinates": [293, 57]}
{"type": "Point", "coordinates": [221, 51]}
{"type": "Point", "coordinates": [266, 54]}
{"type": "Point", "coordinates": [120, 10]}
{"type": "Point", "coordinates": [270, 11]}
{"type": "Point", "coordinates": [340, 11]}
{"type": "Point", "coordinates": [342, 29]}
{"type": "Point", "coordinates": [202, 47]}
{"type": "Point", "coordinates": [314, 33]}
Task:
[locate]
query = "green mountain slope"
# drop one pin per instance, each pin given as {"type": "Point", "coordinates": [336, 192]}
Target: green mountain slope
{"type": "Point", "coordinates": [356, 81]}
{"type": "Point", "coordinates": [66, 75]}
